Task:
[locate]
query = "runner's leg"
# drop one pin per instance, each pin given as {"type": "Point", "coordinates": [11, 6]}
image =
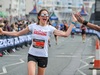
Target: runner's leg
{"type": "Point", "coordinates": [41, 71]}
{"type": "Point", "coordinates": [56, 39]}
{"type": "Point", "coordinates": [31, 67]}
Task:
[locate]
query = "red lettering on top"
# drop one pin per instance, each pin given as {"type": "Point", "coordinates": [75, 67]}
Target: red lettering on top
{"type": "Point", "coordinates": [39, 32]}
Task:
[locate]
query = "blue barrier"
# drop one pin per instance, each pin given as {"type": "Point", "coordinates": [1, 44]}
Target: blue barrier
{"type": "Point", "coordinates": [7, 42]}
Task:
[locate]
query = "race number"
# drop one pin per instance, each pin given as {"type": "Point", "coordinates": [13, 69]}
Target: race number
{"type": "Point", "coordinates": [37, 43]}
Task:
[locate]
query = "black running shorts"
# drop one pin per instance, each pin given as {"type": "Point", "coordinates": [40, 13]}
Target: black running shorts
{"type": "Point", "coordinates": [83, 32]}
{"type": "Point", "coordinates": [41, 61]}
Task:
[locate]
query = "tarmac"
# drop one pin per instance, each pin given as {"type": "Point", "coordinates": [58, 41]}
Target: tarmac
{"type": "Point", "coordinates": [69, 57]}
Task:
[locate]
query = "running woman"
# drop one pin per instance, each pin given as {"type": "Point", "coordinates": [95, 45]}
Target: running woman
{"type": "Point", "coordinates": [38, 52]}
{"type": "Point", "coordinates": [83, 28]}
{"type": "Point", "coordinates": [73, 32]}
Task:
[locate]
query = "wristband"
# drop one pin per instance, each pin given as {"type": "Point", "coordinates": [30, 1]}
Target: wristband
{"type": "Point", "coordinates": [74, 23]}
{"type": "Point", "coordinates": [85, 22]}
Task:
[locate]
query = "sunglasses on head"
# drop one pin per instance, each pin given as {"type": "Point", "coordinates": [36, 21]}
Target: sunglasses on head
{"type": "Point", "coordinates": [44, 15]}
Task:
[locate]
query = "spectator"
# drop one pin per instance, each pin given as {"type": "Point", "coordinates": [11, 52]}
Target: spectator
{"type": "Point", "coordinates": [73, 32]}
{"type": "Point", "coordinates": [65, 26]}
{"type": "Point", "coordinates": [13, 27]}
{"type": "Point", "coordinates": [83, 28]}
{"type": "Point", "coordinates": [6, 26]}
{"type": "Point", "coordinates": [1, 23]}
{"type": "Point", "coordinates": [86, 23]}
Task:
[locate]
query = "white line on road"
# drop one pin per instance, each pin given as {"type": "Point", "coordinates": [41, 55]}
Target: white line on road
{"type": "Point", "coordinates": [4, 67]}
{"type": "Point", "coordinates": [86, 64]}
{"type": "Point", "coordinates": [12, 55]}
{"type": "Point", "coordinates": [94, 72]}
{"type": "Point", "coordinates": [65, 56]}
{"type": "Point", "coordinates": [81, 72]}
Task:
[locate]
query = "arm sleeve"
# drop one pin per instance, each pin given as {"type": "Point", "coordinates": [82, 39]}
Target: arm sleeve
{"type": "Point", "coordinates": [52, 29]}
{"type": "Point", "coordinates": [31, 27]}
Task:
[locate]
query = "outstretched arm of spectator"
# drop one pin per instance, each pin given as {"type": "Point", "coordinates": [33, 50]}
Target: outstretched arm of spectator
{"type": "Point", "coordinates": [86, 23]}
{"type": "Point", "coordinates": [22, 32]}
{"type": "Point", "coordinates": [93, 26]}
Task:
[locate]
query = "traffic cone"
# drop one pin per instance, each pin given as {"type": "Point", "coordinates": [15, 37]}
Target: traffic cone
{"type": "Point", "coordinates": [97, 56]}
{"type": "Point", "coordinates": [96, 62]}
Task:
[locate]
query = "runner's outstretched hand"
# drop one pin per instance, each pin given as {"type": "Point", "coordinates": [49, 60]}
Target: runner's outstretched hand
{"type": "Point", "coordinates": [79, 18]}
{"type": "Point", "coordinates": [1, 31]}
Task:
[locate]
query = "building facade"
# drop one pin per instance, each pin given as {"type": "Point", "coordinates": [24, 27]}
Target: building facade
{"type": "Point", "coordinates": [29, 5]}
{"type": "Point", "coordinates": [62, 8]}
{"type": "Point", "coordinates": [13, 7]}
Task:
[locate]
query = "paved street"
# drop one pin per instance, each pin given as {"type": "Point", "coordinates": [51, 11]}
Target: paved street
{"type": "Point", "coordinates": [69, 57]}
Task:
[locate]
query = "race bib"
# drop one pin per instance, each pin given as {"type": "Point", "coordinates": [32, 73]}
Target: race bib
{"type": "Point", "coordinates": [38, 43]}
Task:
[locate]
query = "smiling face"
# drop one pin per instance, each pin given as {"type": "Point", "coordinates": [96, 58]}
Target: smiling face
{"type": "Point", "coordinates": [43, 17]}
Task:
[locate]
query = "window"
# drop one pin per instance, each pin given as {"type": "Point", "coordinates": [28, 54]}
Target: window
{"type": "Point", "coordinates": [98, 5]}
{"type": "Point", "coordinates": [24, 10]}
{"type": "Point", "coordinates": [69, 7]}
{"type": "Point", "coordinates": [0, 5]}
{"type": "Point", "coordinates": [69, 3]}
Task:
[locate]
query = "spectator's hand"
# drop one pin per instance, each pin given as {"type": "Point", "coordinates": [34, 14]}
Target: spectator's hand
{"type": "Point", "coordinates": [1, 31]}
{"type": "Point", "coordinates": [79, 18]}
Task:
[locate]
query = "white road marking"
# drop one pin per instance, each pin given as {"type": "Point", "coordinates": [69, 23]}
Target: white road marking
{"type": "Point", "coordinates": [81, 72]}
{"type": "Point", "coordinates": [12, 55]}
{"type": "Point", "coordinates": [65, 56]}
{"type": "Point", "coordinates": [94, 72]}
{"type": "Point", "coordinates": [4, 67]}
{"type": "Point", "coordinates": [86, 64]}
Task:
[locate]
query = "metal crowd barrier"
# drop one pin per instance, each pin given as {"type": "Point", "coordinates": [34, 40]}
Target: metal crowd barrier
{"type": "Point", "coordinates": [9, 42]}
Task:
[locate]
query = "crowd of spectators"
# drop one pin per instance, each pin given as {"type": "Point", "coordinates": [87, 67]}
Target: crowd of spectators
{"type": "Point", "coordinates": [15, 26]}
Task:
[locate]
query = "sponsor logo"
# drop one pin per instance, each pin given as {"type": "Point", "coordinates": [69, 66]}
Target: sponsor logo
{"type": "Point", "coordinates": [39, 32]}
